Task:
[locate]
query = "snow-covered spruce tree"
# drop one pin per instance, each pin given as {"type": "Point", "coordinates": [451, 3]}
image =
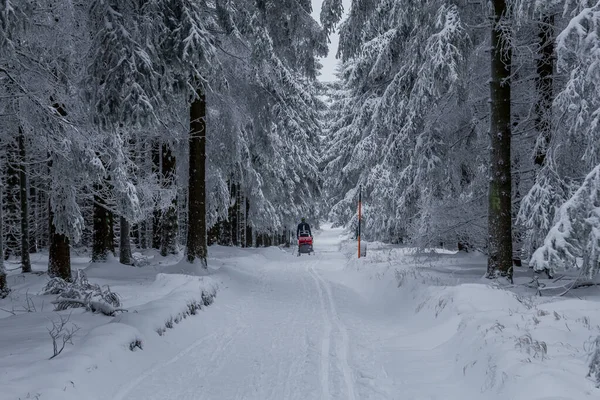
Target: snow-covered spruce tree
{"type": "Point", "coordinates": [124, 85]}
{"type": "Point", "coordinates": [578, 54]}
{"type": "Point", "coordinates": [12, 24]}
{"type": "Point", "coordinates": [331, 13]}
{"type": "Point", "coordinates": [283, 145]}
{"type": "Point", "coordinates": [554, 164]}
{"type": "Point", "coordinates": [576, 232]}
{"type": "Point", "coordinates": [266, 119]}
{"type": "Point", "coordinates": [188, 49]}
{"type": "Point", "coordinates": [35, 74]}
{"type": "Point", "coordinates": [573, 233]}
{"type": "Point", "coordinates": [401, 58]}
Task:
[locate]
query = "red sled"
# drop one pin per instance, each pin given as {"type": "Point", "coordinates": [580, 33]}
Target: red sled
{"type": "Point", "coordinates": [305, 245]}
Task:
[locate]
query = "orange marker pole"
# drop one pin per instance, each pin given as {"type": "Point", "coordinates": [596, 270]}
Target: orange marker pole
{"type": "Point", "coordinates": [359, 216]}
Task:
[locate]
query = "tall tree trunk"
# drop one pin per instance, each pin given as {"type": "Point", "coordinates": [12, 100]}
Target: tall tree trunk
{"type": "Point", "coordinates": [110, 241]}
{"type": "Point", "coordinates": [25, 261]}
{"type": "Point", "coordinates": [500, 204]}
{"type": "Point", "coordinates": [59, 257]}
{"type": "Point", "coordinates": [243, 222]}
{"type": "Point", "coordinates": [125, 244]}
{"type": "Point", "coordinates": [143, 232]}
{"type": "Point", "coordinates": [168, 225]}
{"type": "Point", "coordinates": [157, 213]}
{"type": "Point", "coordinates": [34, 220]}
{"type": "Point", "coordinates": [196, 237]}
{"type": "Point", "coordinates": [4, 289]}
{"type": "Point", "coordinates": [100, 245]}
{"type": "Point", "coordinates": [234, 214]}
{"type": "Point", "coordinates": [59, 253]}
{"type": "Point", "coordinates": [544, 87]}
{"type": "Point", "coordinates": [11, 219]}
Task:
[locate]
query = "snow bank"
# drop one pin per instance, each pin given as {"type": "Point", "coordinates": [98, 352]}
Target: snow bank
{"type": "Point", "coordinates": [189, 295]}
{"type": "Point", "coordinates": [505, 343]}
{"type": "Point", "coordinates": [515, 346]}
{"type": "Point", "coordinates": [154, 303]}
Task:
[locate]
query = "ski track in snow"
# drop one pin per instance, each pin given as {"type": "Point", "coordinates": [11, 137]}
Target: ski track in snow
{"type": "Point", "coordinates": [278, 334]}
{"type": "Point", "coordinates": [303, 328]}
{"type": "Point", "coordinates": [122, 393]}
{"type": "Point", "coordinates": [330, 315]}
{"type": "Point", "coordinates": [326, 339]}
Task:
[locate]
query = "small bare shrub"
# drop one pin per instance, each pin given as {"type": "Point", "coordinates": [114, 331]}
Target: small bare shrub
{"type": "Point", "coordinates": [61, 334]}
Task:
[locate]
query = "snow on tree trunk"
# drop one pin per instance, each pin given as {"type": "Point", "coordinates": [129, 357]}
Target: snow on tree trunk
{"type": "Point", "coordinates": [500, 199]}
{"type": "Point", "coordinates": [157, 213]}
{"type": "Point", "coordinates": [544, 87]}
{"type": "Point", "coordinates": [11, 219]}
{"type": "Point", "coordinates": [196, 236]}
{"type": "Point", "coordinates": [25, 261]}
{"type": "Point", "coordinates": [168, 224]}
{"type": "Point", "coordinates": [59, 255]}
{"type": "Point", "coordinates": [34, 221]}
{"type": "Point", "coordinates": [125, 244]}
{"type": "Point", "coordinates": [4, 289]}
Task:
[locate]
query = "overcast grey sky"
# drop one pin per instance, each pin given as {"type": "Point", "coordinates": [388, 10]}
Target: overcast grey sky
{"type": "Point", "coordinates": [329, 63]}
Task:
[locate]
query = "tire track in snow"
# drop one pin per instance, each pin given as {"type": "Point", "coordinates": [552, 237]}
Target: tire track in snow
{"type": "Point", "coordinates": [326, 340]}
{"type": "Point", "coordinates": [343, 347]}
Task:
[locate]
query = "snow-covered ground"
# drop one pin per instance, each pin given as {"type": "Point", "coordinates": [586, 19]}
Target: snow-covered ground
{"type": "Point", "coordinates": [393, 325]}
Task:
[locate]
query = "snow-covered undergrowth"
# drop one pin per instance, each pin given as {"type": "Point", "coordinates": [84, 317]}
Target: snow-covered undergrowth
{"type": "Point", "coordinates": [150, 303]}
{"type": "Point", "coordinates": [503, 342]}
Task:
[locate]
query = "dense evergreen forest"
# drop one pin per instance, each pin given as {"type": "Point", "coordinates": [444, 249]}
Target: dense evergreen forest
{"type": "Point", "coordinates": [176, 124]}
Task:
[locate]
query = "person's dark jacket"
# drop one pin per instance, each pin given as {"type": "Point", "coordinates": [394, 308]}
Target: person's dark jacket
{"type": "Point", "coordinates": [303, 226]}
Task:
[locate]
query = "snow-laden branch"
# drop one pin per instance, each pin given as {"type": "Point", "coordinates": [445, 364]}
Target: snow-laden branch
{"type": "Point", "coordinates": [574, 239]}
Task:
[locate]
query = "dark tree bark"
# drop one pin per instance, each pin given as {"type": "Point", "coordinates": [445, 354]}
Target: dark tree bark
{"type": "Point", "coordinates": [4, 289]}
{"type": "Point", "coordinates": [144, 235]}
{"type": "Point", "coordinates": [156, 213]}
{"type": "Point", "coordinates": [544, 87]}
{"type": "Point", "coordinates": [110, 243]}
{"type": "Point", "coordinates": [59, 253]}
{"type": "Point", "coordinates": [196, 236]}
{"type": "Point", "coordinates": [25, 261]}
{"type": "Point", "coordinates": [42, 239]}
{"type": "Point", "coordinates": [102, 238]}
{"type": "Point", "coordinates": [33, 222]}
{"type": "Point", "coordinates": [125, 244]}
{"type": "Point", "coordinates": [242, 218]}
{"type": "Point", "coordinates": [500, 196]}
{"type": "Point", "coordinates": [234, 216]}
{"type": "Point", "coordinates": [259, 240]}
{"type": "Point", "coordinates": [156, 234]}
{"type": "Point", "coordinates": [168, 224]}
{"type": "Point", "coordinates": [59, 257]}
{"type": "Point", "coordinates": [11, 219]}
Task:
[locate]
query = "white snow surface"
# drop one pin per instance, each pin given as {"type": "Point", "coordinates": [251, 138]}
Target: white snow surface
{"type": "Point", "coordinates": [395, 325]}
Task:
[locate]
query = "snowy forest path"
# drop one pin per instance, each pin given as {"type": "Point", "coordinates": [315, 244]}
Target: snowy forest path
{"type": "Point", "coordinates": [331, 318]}
{"type": "Point", "coordinates": [285, 327]}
